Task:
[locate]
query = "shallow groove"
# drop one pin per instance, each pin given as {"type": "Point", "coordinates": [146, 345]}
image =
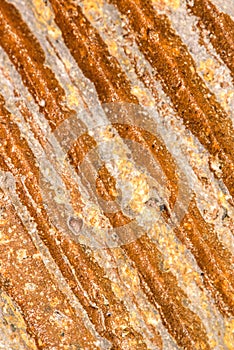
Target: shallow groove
{"type": "Point", "coordinates": [202, 115]}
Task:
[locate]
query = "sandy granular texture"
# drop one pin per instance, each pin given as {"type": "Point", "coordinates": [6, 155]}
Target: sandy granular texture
{"type": "Point", "coordinates": [116, 174]}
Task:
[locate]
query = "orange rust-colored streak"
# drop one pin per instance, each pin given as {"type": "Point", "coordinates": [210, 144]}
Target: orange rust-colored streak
{"type": "Point", "coordinates": [16, 146]}
{"type": "Point", "coordinates": [20, 155]}
{"type": "Point", "coordinates": [162, 290]}
{"type": "Point", "coordinates": [158, 150]}
{"type": "Point", "coordinates": [221, 28]}
{"type": "Point", "coordinates": [41, 221]}
{"type": "Point", "coordinates": [8, 162]}
{"type": "Point", "coordinates": [213, 259]}
{"type": "Point", "coordinates": [80, 148]}
{"type": "Point", "coordinates": [217, 283]}
{"type": "Point", "coordinates": [192, 100]}
{"type": "Point", "coordinates": [49, 317]}
{"type": "Point", "coordinates": [162, 284]}
{"type": "Point", "coordinates": [99, 300]}
{"type": "Point", "coordinates": [89, 66]}
{"type": "Point", "coordinates": [86, 276]}
{"type": "Point", "coordinates": [76, 255]}
{"type": "Point", "coordinates": [102, 301]}
{"type": "Point", "coordinates": [91, 53]}
{"type": "Point", "coordinates": [106, 184]}
{"type": "Point", "coordinates": [15, 25]}
{"type": "Point", "coordinates": [28, 58]}
{"type": "Point", "coordinates": [150, 142]}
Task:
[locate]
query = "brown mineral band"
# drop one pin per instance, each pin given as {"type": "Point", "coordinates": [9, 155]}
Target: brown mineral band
{"type": "Point", "coordinates": [153, 80]}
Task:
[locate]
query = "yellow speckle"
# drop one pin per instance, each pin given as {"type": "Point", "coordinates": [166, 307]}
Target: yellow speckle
{"type": "Point", "coordinates": [207, 68]}
{"type": "Point", "coordinates": [106, 134]}
{"type": "Point", "coordinates": [229, 334]}
{"type": "Point", "coordinates": [55, 302]}
{"type": "Point", "coordinates": [72, 97]}
{"type": "Point", "coordinates": [30, 287]}
{"type": "Point", "coordinates": [142, 96]}
{"type": "Point", "coordinates": [96, 219]}
{"type": "Point", "coordinates": [125, 168]}
{"type": "Point", "coordinates": [3, 222]}
{"type": "Point", "coordinates": [141, 192]}
{"type": "Point", "coordinates": [117, 291]}
{"type": "Point", "coordinates": [112, 47]}
{"type": "Point", "coordinates": [225, 97]}
{"type": "Point", "coordinates": [54, 33]}
{"type": "Point", "coordinates": [92, 5]}
{"type": "Point", "coordinates": [175, 4]}
{"type": "Point", "coordinates": [44, 13]}
{"type": "Point", "coordinates": [21, 254]}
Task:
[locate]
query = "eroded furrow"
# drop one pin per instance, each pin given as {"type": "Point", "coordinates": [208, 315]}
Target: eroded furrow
{"type": "Point", "coordinates": [91, 54]}
{"type": "Point", "coordinates": [90, 276]}
{"type": "Point", "coordinates": [28, 58]}
{"type": "Point", "coordinates": [213, 259]}
{"type": "Point", "coordinates": [50, 318]}
{"type": "Point", "coordinates": [220, 27]}
{"type": "Point", "coordinates": [201, 114]}
{"type": "Point", "coordinates": [196, 84]}
{"type": "Point", "coordinates": [190, 97]}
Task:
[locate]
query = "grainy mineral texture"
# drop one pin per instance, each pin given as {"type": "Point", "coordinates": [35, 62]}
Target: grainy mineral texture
{"type": "Point", "coordinates": [116, 174]}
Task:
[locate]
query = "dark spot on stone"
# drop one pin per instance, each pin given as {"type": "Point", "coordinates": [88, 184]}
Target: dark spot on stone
{"type": "Point", "coordinates": [162, 207]}
{"type": "Point", "coordinates": [13, 327]}
{"type": "Point", "coordinates": [225, 213]}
